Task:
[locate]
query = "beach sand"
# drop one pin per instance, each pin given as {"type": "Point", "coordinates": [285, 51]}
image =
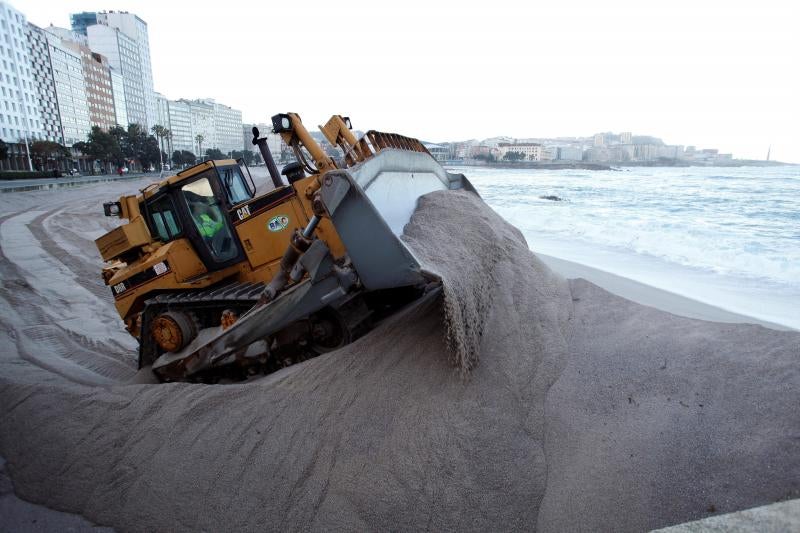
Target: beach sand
{"type": "Point", "coordinates": [651, 296]}
{"type": "Point", "coordinates": [583, 411]}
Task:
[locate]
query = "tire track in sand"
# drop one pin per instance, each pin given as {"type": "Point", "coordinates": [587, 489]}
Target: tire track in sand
{"type": "Point", "coordinates": [54, 324]}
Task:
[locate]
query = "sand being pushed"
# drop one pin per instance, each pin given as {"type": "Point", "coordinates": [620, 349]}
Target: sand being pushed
{"type": "Point", "coordinates": [383, 434]}
{"type": "Point", "coordinates": [567, 421]}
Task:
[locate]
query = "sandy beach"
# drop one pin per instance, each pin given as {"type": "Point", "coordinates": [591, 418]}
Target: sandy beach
{"type": "Point", "coordinates": [651, 296]}
{"type": "Point", "coordinates": [584, 411]}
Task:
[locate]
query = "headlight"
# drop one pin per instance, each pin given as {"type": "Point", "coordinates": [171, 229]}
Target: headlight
{"type": "Point", "coordinates": [281, 123]}
{"type": "Point", "coordinates": [112, 209]}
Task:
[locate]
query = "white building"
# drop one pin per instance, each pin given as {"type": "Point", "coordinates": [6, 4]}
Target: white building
{"type": "Point", "coordinates": [20, 118]}
{"type": "Point", "coordinates": [123, 56]}
{"type": "Point", "coordinates": [530, 151]}
{"type": "Point", "coordinates": [118, 93]}
{"type": "Point", "coordinates": [96, 77]}
{"type": "Point", "coordinates": [136, 30]}
{"type": "Point", "coordinates": [438, 151]}
{"type": "Point", "coordinates": [275, 143]}
{"type": "Point", "coordinates": [180, 125]}
{"type": "Point", "coordinates": [227, 128]}
{"type": "Point", "coordinates": [570, 153]}
{"type": "Point", "coordinates": [42, 72]}
{"type": "Point", "coordinates": [73, 106]}
{"type": "Point", "coordinates": [202, 122]}
{"type": "Point", "coordinates": [218, 124]}
{"type": "Point", "coordinates": [162, 110]}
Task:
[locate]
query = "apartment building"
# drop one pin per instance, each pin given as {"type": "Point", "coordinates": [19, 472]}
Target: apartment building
{"type": "Point", "coordinates": [42, 73]}
{"type": "Point", "coordinates": [20, 118]}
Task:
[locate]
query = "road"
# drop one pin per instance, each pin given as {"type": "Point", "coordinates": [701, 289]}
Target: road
{"type": "Point", "coordinates": [7, 186]}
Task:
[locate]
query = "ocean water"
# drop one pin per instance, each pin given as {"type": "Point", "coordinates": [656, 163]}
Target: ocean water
{"type": "Point", "coordinates": [729, 237]}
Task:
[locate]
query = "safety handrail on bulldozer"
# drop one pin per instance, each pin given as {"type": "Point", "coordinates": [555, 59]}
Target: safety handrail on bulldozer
{"type": "Point", "coordinates": [377, 141]}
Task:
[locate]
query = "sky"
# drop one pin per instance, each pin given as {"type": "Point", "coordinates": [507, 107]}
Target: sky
{"type": "Point", "coordinates": [711, 74]}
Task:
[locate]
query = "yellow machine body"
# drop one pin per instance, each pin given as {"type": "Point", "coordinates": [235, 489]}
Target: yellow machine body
{"type": "Point", "coordinates": [262, 246]}
{"type": "Point", "coordinates": [203, 248]}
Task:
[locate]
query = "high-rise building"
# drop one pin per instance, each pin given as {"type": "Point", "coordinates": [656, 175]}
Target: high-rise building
{"type": "Point", "coordinates": [20, 119]}
{"type": "Point", "coordinates": [219, 125]}
{"type": "Point", "coordinates": [162, 110]}
{"type": "Point", "coordinates": [97, 82]}
{"type": "Point", "coordinates": [162, 119]}
{"type": "Point", "coordinates": [625, 137]}
{"type": "Point", "coordinates": [599, 139]}
{"type": "Point", "coordinates": [136, 29]}
{"type": "Point", "coordinates": [123, 56]}
{"type": "Point", "coordinates": [81, 21]}
{"type": "Point", "coordinates": [70, 85]}
{"type": "Point", "coordinates": [227, 128]}
{"type": "Point", "coordinates": [120, 102]}
{"type": "Point", "coordinates": [123, 38]}
{"type": "Point", "coordinates": [202, 120]}
{"type": "Point", "coordinates": [180, 125]}
{"type": "Point", "coordinates": [42, 72]}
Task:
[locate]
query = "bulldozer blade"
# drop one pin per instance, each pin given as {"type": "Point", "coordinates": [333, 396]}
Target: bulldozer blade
{"type": "Point", "coordinates": [393, 180]}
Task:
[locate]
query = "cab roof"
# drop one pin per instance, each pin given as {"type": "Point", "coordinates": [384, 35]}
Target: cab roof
{"type": "Point", "coordinates": [185, 174]}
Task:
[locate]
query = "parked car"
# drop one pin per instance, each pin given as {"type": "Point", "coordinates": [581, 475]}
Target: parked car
{"type": "Point", "coordinates": [74, 172]}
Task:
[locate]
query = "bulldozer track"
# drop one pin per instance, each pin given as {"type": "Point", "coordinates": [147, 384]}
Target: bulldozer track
{"type": "Point", "coordinates": [236, 292]}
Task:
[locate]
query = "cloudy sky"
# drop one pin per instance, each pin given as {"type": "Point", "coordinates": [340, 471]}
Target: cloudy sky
{"type": "Point", "coordinates": [712, 74]}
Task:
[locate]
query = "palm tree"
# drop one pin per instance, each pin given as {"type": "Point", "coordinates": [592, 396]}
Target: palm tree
{"type": "Point", "coordinates": [199, 138]}
{"type": "Point", "coordinates": [169, 141]}
{"type": "Point", "coordinates": [160, 132]}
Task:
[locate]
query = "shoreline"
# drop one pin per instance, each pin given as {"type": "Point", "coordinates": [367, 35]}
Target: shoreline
{"type": "Point", "coordinates": [613, 166]}
{"type": "Point", "coordinates": [650, 296]}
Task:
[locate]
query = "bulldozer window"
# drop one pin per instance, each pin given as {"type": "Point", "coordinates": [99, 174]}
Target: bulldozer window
{"type": "Point", "coordinates": [235, 185]}
{"type": "Point", "coordinates": [163, 221]}
{"type": "Point", "coordinates": [209, 220]}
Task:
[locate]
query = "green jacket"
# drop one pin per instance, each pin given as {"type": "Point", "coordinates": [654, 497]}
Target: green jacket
{"type": "Point", "coordinates": [207, 226]}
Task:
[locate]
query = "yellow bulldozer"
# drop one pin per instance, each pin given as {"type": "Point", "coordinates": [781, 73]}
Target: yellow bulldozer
{"type": "Point", "coordinates": [218, 280]}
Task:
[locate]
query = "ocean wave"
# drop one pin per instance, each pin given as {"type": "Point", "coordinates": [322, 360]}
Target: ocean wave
{"type": "Point", "coordinates": [740, 222]}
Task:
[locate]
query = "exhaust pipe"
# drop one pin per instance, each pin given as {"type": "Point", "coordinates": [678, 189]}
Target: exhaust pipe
{"type": "Point", "coordinates": [261, 142]}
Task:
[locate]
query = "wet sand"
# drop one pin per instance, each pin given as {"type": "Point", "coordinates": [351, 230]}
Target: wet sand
{"type": "Point", "coordinates": [652, 296]}
{"type": "Point", "coordinates": [582, 411]}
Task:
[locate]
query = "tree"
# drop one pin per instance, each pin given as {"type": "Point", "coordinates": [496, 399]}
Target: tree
{"type": "Point", "coordinates": [199, 140]}
{"type": "Point", "coordinates": [100, 146]}
{"type": "Point", "coordinates": [137, 144]}
{"type": "Point", "coordinates": [3, 150]}
{"type": "Point", "coordinates": [257, 158]}
{"type": "Point", "coordinates": [247, 155]}
{"type": "Point", "coordinates": [215, 153]}
{"type": "Point", "coordinates": [161, 133]}
{"type": "Point", "coordinates": [513, 156]}
{"type": "Point", "coordinates": [151, 153]}
{"type": "Point", "coordinates": [188, 157]}
{"type": "Point", "coordinates": [183, 157]}
{"type": "Point", "coordinates": [43, 151]}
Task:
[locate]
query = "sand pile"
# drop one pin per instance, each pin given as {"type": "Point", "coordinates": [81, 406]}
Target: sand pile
{"type": "Point", "coordinates": [585, 412]}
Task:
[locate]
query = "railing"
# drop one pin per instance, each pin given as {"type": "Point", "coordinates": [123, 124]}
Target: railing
{"type": "Point", "coordinates": [374, 141]}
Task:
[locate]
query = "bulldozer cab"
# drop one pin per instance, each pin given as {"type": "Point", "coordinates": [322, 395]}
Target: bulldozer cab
{"type": "Point", "coordinates": [198, 208]}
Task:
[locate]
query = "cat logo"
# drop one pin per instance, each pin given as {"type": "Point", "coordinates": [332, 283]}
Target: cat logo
{"type": "Point", "coordinates": [243, 212]}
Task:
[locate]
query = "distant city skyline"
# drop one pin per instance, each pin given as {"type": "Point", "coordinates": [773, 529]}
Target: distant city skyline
{"type": "Point", "coordinates": [707, 75]}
